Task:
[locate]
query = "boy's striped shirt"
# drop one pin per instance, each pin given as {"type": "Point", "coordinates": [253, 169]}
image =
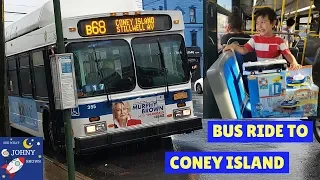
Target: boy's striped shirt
{"type": "Point", "coordinates": [267, 47]}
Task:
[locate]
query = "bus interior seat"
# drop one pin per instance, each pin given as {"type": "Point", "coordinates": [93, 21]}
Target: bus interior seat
{"type": "Point", "coordinates": [299, 45]}
{"type": "Point", "coordinates": [251, 56]}
{"type": "Point", "coordinates": [241, 41]}
{"type": "Point", "coordinates": [299, 59]}
{"type": "Point", "coordinates": [294, 51]}
{"type": "Point", "coordinates": [294, 43]}
{"type": "Point", "coordinates": [312, 50]}
{"type": "Point", "coordinates": [238, 40]}
{"type": "Point", "coordinates": [313, 60]}
{"type": "Point", "coordinates": [225, 79]}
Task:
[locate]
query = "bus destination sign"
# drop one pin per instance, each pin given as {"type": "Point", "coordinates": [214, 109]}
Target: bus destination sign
{"type": "Point", "coordinates": [124, 25]}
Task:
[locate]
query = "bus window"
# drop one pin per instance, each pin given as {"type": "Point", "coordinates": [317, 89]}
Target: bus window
{"type": "Point", "coordinates": [222, 21]}
{"type": "Point", "coordinates": [304, 20]}
{"type": "Point", "coordinates": [103, 67]}
{"type": "Point", "coordinates": [248, 25]}
{"type": "Point", "coordinates": [13, 78]}
{"type": "Point", "coordinates": [148, 62]}
{"type": "Point", "coordinates": [226, 4]}
{"type": "Point", "coordinates": [26, 86]}
{"type": "Point", "coordinates": [39, 74]}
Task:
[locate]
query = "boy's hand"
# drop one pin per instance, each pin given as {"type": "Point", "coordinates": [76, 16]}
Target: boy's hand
{"type": "Point", "coordinates": [295, 66]}
{"type": "Point", "coordinates": [230, 47]}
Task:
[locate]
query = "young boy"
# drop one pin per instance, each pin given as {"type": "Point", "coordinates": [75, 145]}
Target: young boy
{"type": "Point", "coordinates": [266, 45]}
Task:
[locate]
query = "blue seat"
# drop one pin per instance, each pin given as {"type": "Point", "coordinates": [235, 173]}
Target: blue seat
{"type": "Point", "coordinates": [226, 75]}
{"type": "Point", "coordinates": [251, 56]}
{"type": "Point", "coordinates": [241, 88]}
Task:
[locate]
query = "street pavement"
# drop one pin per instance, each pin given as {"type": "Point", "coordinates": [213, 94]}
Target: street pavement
{"type": "Point", "coordinates": [56, 171]}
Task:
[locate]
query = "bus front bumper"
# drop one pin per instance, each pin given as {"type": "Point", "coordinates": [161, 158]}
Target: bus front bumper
{"type": "Point", "coordinates": [93, 143]}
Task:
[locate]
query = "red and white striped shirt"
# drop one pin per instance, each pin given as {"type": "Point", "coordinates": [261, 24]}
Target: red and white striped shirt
{"type": "Point", "coordinates": [267, 47]}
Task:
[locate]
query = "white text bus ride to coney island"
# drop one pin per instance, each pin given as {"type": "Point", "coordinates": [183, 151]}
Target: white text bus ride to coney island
{"type": "Point", "coordinates": [132, 76]}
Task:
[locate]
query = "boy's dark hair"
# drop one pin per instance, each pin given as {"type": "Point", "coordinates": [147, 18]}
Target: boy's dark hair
{"type": "Point", "coordinates": [290, 22]}
{"type": "Point", "coordinates": [235, 19]}
{"type": "Point", "coordinates": [266, 12]}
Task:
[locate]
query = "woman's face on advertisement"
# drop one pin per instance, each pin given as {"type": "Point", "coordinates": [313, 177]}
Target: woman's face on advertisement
{"type": "Point", "coordinates": [121, 111]}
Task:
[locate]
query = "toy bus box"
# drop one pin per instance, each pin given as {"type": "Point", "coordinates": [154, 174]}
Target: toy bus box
{"type": "Point", "coordinates": [265, 67]}
{"type": "Point", "coordinates": [264, 91]}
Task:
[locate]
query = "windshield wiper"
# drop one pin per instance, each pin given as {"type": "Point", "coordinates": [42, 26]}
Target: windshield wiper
{"type": "Point", "coordinates": [101, 75]}
{"type": "Point", "coordinates": [165, 70]}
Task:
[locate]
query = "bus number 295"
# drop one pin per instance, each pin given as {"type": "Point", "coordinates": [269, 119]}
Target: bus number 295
{"type": "Point", "coordinates": [92, 106]}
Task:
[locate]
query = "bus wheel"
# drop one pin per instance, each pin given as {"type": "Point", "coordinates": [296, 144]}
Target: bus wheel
{"type": "Point", "coordinates": [50, 133]}
{"type": "Point", "coordinates": [316, 129]}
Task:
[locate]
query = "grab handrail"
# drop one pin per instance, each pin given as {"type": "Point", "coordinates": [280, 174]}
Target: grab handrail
{"type": "Point", "coordinates": [284, 33]}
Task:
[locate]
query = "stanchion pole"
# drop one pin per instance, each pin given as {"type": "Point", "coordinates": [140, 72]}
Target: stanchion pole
{"type": "Point", "coordinates": [66, 112]}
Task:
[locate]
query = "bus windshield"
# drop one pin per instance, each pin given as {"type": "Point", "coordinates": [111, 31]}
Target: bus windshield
{"type": "Point", "coordinates": [150, 71]}
{"type": "Point", "coordinates": [103, 67]}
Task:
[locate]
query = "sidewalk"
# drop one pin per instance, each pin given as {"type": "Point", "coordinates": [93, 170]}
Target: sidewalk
{"type": "Point", "coordinates": [56, 171]}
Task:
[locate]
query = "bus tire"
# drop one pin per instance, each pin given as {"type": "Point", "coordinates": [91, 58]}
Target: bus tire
{"type": "Point", "coordinates": [50, 132]}
{"type": "Point", "coordinates": [316, 129]}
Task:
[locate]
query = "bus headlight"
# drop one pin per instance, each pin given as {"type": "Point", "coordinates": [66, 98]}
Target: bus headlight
{"type": "Point", "coordinates": [93, 128]}
{"type": "Point", "coordinates": [178, 113]}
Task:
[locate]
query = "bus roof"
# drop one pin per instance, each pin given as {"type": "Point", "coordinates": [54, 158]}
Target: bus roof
{"type": "Point", "coordinates": [44, 15]}
{"type": "Point", "coordinates": [290, 6]}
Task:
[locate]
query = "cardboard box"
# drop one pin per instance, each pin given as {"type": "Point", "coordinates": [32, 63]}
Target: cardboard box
{"type": "Point", "coordinates": [301, 98]}
{"type": "Point", "coordinates": [305, 81]}
{"type": "Point", "coordinates": [264, 91]}
{"type": "Point", "coordinates": [298, 96]}
{"type": "Point", "coordinates": [301, 102]}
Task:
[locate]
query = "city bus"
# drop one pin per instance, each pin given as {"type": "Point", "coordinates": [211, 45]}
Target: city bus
{"type": "Point", "coordinates": [131, 71]}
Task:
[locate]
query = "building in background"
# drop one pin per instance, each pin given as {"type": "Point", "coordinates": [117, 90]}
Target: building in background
{"type": "Point", "coordinates": [139, 4]}
{"type": "Point", "coordinates": [192, 11]}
